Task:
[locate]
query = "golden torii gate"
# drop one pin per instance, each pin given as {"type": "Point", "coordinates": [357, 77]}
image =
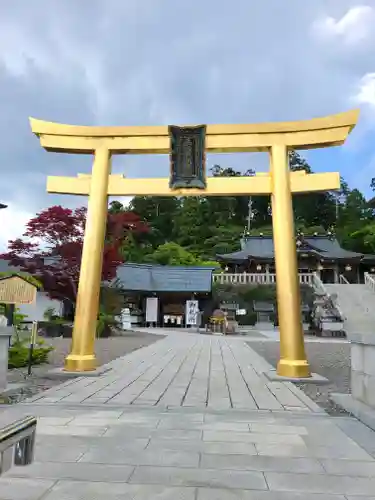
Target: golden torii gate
{"type": "Point", "coordinates": [274, 138]}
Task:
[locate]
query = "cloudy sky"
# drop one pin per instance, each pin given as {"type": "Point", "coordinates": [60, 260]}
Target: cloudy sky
{"type": "Point", "coordinates": [151, 62]}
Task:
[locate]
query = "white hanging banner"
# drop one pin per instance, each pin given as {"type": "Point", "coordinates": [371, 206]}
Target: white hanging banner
{"type": "Point", "coordinates": [192, 309]}
{"type": "Point", "coordinates": [152, 309]}
{"type": "Point", "coordinates": [125, 319]}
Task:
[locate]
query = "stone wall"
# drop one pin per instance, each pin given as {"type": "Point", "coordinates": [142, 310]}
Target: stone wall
{"type": "Point", "coordinates": [363, 368]}
{"type": "Point", "coordinates": [5, 334]}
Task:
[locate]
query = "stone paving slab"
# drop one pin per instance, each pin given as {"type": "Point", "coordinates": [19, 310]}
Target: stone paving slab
{"type": "Point", "coordinates": [215, 494]}
{"type": "Point", "coordinates": [270, 445]}
{"type": "Point", "coordinates": [195, 371]}
{"type": "Point", "coordinates": [270, 452]}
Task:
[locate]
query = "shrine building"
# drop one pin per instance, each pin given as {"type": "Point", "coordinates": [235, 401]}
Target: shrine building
{"type": "Point", "coordinates": [318, 253]}
{"type": "Point", "coordinates": [157, 295]}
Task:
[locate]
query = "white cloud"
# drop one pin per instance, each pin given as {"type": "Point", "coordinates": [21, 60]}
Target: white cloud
{"type": "Point", "coordinates": [159, 62]}
{"type": "Point", "coordinates": [366, 90]}
{"type": "Point", "coordinates": [12, 223]}
{"type": "Point", "coordinates": [356, 25]}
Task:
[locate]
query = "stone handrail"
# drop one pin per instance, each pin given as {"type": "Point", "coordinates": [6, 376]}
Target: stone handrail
{"type": "Point", "coordinates": [255, 278]}
{"type": "Point", "coordinates": [17, 442]}
{"type": "Point", "coordinates": [321, 289]}
{"type": "Point", "coordinates": [370, 281]}
{"type": "Point", "coordinates": [319, 285]}
{"type": "Point", "coordinates": [343, 280]}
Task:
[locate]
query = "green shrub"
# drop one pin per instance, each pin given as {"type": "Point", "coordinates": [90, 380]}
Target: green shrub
{"type": "Point", "coordinates": [49, 313]}
{"type": "Point", "coordinates": [20, 350]}
{"type": "Point", "coordinates": [248, 319]}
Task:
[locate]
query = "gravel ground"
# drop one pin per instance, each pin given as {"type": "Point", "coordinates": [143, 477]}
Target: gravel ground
{"type": "Point", "coordinates": [332, 360]}
{"type": "Point", "coordinates": [106, 350]}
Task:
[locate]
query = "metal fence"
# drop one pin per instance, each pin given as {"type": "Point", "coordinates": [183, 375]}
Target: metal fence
{"type": "Point", "coordinates": [17, 443]}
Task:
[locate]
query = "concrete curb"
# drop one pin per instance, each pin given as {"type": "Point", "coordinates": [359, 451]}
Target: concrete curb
{"type": "Point", "coordinates": [314, 379]}
{"type": "Point", "coordinates": [361, 411]}
{"type": "Point", "coordinates": [60, 374]}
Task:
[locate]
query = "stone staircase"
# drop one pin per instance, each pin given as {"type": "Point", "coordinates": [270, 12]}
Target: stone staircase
{"type": "Point", "coordinates": [357, 305]}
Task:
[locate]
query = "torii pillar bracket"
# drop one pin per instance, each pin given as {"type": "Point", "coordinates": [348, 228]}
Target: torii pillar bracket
{"type": "Point", "coordinates": [274, 138]}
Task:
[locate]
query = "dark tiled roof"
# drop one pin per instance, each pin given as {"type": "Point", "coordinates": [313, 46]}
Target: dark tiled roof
{"type": "Point", "coordinates": [6, 268]}
{"type": "Point", "coordinates": [154, 278]}
{"type": "Point", "coordinates": [263, 306]}
{"type": "Point", "coordinates": [262, 247]}
{"type": "Point", "coordinates": [370, 259]}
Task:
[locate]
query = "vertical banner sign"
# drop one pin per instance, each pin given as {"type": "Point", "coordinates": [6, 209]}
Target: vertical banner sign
{"type": "Point", "coordinates": [152, 310]}
{"type": "Point", "coordinates": [192, 309]}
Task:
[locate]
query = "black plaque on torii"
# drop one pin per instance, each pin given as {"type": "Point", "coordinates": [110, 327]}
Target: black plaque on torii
{"type": "Point", "coordinates": [187, 157]}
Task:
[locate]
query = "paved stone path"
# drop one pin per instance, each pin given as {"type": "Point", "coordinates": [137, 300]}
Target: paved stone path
{"type": "Point", "coordinates": [187, 370]}
{"type": "Point", "coordinates": [189, 418]}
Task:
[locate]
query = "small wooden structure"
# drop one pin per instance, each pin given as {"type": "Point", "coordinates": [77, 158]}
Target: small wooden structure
{"type": "Point", "coordinates": [16, 290]}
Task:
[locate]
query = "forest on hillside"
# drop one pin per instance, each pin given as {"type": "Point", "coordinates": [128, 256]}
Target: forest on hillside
{"type": "Point", "coordinates": [182, 231]}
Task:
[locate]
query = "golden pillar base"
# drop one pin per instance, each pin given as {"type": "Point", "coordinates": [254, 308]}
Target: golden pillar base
{"type": "Point", "coordinates": [80, 363]}
{"type": "Point", "coordinates": [293, 368]}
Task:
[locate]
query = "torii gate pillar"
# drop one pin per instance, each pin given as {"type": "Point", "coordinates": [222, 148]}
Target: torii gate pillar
{"type": "Point", "coordinates": [274, 138]}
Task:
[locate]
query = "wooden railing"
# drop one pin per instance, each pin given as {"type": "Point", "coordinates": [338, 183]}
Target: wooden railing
{"type": "Point", "coordinates": [255, 278]}
{"type": "Point", "coordinates": [370, 281]}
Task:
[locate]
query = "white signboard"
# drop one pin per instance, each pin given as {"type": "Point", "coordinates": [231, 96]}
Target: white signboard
{"type": "Point", "coordinates": [241, 312]}
{"type": "Point", "coordinates": [152, 310]}
{"type": "Point", "coordinates": [192, 309]}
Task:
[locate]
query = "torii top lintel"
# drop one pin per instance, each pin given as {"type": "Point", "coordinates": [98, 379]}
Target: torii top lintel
{"type": "Point", "coordinates": [307, 134]}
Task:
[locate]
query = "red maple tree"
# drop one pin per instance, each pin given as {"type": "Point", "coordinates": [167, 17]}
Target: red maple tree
{"type": "Point", "coordinates": [51, 248]}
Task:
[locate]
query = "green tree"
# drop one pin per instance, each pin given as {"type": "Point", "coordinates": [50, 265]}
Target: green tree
{"type": "Point", "coordinates": [193, 223]}
{"type": "Point", "coordinates": [223, 239]}
{"type": "Point", "coordinates": [159, 213]}
{"type": "Point", "coordinates": [173, 254]}
{"type": "Point", "coordinates": [311, 209]}
{"type": "Point", "coordinates": [206, 226]}
{"type": "Point", "coordinates": [355, 210]}
{"type": "Point", "coordinates": [116, 207]}
{"type": "Point", "coordinates": [231, 208]}
{"type": "Point", "coordinates": [134, 247]}
{"type": "Point", "coordinates": [363, 240]}
{"type": "Point", "coordinates": [354, 222]}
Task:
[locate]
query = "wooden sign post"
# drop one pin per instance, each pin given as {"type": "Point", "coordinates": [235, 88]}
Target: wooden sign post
{"type": "Point", "coordinates": [16, 290]}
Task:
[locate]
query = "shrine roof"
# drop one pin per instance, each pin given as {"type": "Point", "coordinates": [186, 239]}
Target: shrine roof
{"type": "Point", "coordinates": [155, 278]}
{"type": "Point", "coordinates": [6, 268]}
{"type": "Point", "coordinates": [262, 247]}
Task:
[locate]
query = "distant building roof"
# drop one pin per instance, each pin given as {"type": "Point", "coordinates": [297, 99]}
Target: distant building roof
{"type": "Point", "coordinates": [6, 268]}
{"type": "Point", "coordinates": [155, 278]}
{"type": "Point", "coordinates": [261, 247]}
{"type": "Point", "coordinates": [259, 306]}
